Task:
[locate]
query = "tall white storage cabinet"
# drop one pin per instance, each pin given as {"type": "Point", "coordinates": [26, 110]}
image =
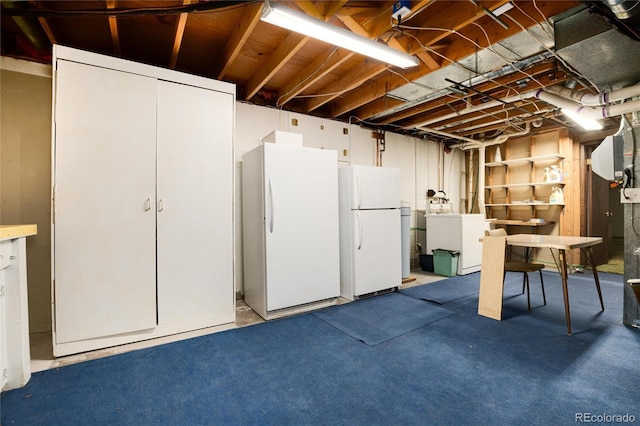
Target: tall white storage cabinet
{"type": "Point", "coordinates": [142, 202]}
{"type": "Point", "coordinates": [290, 229]}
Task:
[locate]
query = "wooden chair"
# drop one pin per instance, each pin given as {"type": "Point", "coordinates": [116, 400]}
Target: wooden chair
{"type": "Point", "coordinates": [524, 267]}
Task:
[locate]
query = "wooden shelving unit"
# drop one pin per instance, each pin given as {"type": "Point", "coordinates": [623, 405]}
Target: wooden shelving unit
{"type": "Point", "coordinates": [515, 189]}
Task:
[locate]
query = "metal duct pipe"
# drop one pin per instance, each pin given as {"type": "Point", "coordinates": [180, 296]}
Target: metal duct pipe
{"type": "Point", "coordinates": [623, 9]}
{"type": "Point", "coordinates": [505, 70]}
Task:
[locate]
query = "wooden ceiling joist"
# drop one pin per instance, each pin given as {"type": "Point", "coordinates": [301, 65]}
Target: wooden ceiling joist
{"type": "Point", "coordinates": [177, 42]}
{"type": "Point", "coordinates": [240, 35]}
{"type": "Point", "coordinates": [113, 27]}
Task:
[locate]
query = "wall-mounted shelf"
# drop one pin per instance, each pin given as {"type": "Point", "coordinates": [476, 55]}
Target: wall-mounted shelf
{"type": "Point", "coordinates": [551, 158]}
{"type": "Point", "coordinates": [524, 205]}
{"type": "Point", "coordinates": [518, 222]}
{"type": "Point", "coordinates": [523, 185]}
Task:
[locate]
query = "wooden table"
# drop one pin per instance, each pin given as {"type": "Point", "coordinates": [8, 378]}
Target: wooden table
{"type": "Point", "coordinates": [492, 275]}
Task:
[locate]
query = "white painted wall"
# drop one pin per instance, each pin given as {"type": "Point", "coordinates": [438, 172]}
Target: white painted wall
{"type": "Point", "coordinates": [423, 165]}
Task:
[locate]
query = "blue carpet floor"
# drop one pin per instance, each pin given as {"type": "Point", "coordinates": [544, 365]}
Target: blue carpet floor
{"type": "Point", "coordinates": [451, 289]}
{"type": "Point", "coordinates": [460, 369]}
{"type": "Point", "coordinates": [400, 314]}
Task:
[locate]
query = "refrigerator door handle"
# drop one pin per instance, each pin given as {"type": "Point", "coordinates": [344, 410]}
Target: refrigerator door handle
{"type": "Point", "coordinates": [358, 190]}
{"type": "Point", "coordinates": [272, 209]}
{"type": "Point", "coordinates": [359, 228]}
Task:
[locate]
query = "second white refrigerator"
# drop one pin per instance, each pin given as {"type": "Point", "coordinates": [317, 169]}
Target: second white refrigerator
{"type": "Point", "coordinates": [370, 230]}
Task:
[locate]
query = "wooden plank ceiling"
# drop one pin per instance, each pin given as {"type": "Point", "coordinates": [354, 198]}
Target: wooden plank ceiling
{"type": "Point", "coordinates": [226, 40]}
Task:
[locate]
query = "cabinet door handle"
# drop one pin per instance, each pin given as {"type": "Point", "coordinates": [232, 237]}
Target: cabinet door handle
{"type": "Point", "coordinates": [147, 205]}
{"type": "Point", "coordinates": [161, 204]}
{"type": "Point", "coordinates": [272, 218]}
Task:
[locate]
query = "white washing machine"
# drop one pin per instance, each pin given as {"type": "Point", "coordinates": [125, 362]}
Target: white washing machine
{"type": "Point", "coordinates": [457, 232]}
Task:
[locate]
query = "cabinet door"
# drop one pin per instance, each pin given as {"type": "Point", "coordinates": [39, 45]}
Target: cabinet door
{"type": "Point", "coordinates": [104, 189]}
{"type": "Point", "coordinates": [194, 209]}
{"type": "Point", "coordinates": [4, 255]}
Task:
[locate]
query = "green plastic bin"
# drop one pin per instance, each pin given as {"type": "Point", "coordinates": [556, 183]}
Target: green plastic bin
{"type": "Point", "coordinates": [445, 262]}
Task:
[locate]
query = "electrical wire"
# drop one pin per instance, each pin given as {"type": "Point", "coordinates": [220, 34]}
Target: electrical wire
{"type": "Point", "coordinates": [311, 75]}
{"type": "Point", "coordinates": [553, 53]}
{"type": "Point", "coordinates": [206, 7]}
{"type": "Point", "coordinates": [545, 19]}
{"type": "Point", "coordinates": [507, 61]}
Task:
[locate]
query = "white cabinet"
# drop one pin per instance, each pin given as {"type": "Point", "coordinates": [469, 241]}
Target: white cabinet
{"type": "Point", "coordinates": [15, 368]}
{"type": "Point", "coordinates": [143, 179]}
{"type": "Point", "coordinates": [104, 191]}
{"type": "Point", "coordinates": [458, 232]}
{"type": "Point", "coordinates": [194, 205]}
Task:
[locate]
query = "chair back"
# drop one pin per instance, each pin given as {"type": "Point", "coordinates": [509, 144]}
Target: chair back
{"type": "Point", "coordinates": [499, 232]}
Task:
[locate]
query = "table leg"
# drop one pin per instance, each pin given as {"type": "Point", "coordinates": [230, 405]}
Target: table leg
{"type": "Point", "coordinates": [589, 254]}
{"type": "Point", "coordinates": [565, 287]}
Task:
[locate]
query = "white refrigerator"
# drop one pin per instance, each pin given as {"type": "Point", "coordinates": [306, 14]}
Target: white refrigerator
{"type": "Point", "coordinates": [290, 229]}
{"type": "Point", "coordinates": [370, 230]}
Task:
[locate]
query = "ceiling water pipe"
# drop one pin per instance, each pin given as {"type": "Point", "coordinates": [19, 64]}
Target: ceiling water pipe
{"type": "Point", "coordinates": [603, 98]}
{"type": "Point", "coordinates": [596, 113]}
{"type": "Point", "coordinates": [479, 144]}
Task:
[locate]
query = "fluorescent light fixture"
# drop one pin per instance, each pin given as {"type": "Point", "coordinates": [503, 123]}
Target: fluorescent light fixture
{"type": "Point", "coordinates": [585, 122]}
{"type": "Point", "coordinates": [503, 9]}
{"type": "Point", "coordinates": [299, 22]}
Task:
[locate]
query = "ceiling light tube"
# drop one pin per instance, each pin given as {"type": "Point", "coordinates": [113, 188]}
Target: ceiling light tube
{"type": "Point", "coordinates": [586, 122]}
{"type": "Point", "coordinates": [299, 22]}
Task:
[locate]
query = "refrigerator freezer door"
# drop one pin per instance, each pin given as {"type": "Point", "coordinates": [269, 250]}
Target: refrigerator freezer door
{"type": "Point", "coordinates": [371, 187]}
{"type": "Point", "coordinates": [377, 263]}
{"type": "Point", "coordinates": [301, 225]}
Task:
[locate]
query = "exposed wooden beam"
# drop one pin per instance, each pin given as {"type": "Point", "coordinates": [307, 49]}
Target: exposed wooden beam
{"type": "Point", "coordinates": [418, 119]}
{"type": "Point", "coordinates": [318, 69]}
{"type": "Point", "coordinates": [355, 27]}
{"type": "Point", "coordinates": [368, 68]}
{"type": "Point", "coordinates": [310, 76]}
{"type": "Point", "coordinates": [363, 95]}
{"type": "Point", "coordinates": [465, 14]}
{"type": "Point", "coordinates": [373, 109]}
{"type": "Point", "coordinates": [428, 60]}
{"type": "Point", "coordinates": [113, 27]}
{"type": "Point", "coordinates": [307, 7]}
{"type": "Point", "coordinates": [177, 41]}
{"type": "Point", "coordinates": [292, 44]}
{"type": "Point", "coordinates": [285, 51]}
{"type": "Point", "coordinates": [44, 24]}
{"type": "Point", "coordinates": [240, 35]}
